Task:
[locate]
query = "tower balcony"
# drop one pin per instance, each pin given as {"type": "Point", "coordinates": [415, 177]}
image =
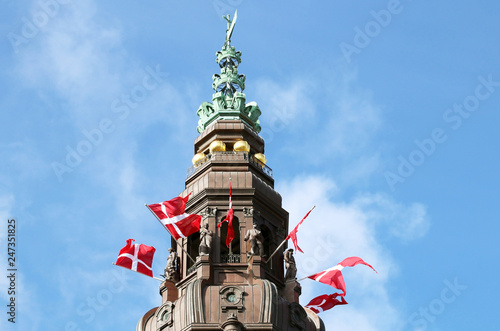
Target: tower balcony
{"type": "Point", "coordinates": [230, 258]}
{"type": "Point", "coordinates": [229, 158]}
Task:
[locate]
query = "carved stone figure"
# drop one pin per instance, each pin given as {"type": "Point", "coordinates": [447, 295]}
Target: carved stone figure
{"type": "Point", "coordinates": [256, 239]}
{"type": "Point", "coordinates": [206, 235]}
{"type": "Point", "coordinates": [209, 211]}
{"type": "Point", "coordinates": [291, 268]}
{"type": "Point", "coordinates": [172, 268]}
{"type": "Point", "coordinates": [248, 211]}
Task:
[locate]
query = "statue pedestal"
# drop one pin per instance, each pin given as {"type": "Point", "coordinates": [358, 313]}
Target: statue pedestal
{"type": "Point", "coordinates": [257, 266]}
{"type": "Point", "coordinates": [292, 291]}
{"type": "Point", "coordinates": [168, 291]}
{"type": "Point", "coordinates": [204, 267]}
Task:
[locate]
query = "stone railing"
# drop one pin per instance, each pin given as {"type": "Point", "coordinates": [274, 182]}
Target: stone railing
{"type": "Point", "coordinates": [230, 258]}
{"type": "Point", "coordinates": [265, 169]}
{"type": "Point", "coordinates": [230, 156]}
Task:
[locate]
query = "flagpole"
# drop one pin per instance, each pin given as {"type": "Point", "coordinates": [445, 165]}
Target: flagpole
{"type": "Point", "coordinates": [305, 277]}
{"type": "Point", "coordinates": [284, 241]}
{"type": "Point", "coordinates": [182, 247]}
{"type": "Point", "coordinates": [275, 251]}
{"type": "Point", "coordinates": [310, 275]}
{"type": "Point", "coordinates": [161, 280]}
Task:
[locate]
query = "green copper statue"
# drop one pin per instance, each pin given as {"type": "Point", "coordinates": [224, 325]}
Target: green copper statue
{"type": "Point", "coordinates": [230, 27]}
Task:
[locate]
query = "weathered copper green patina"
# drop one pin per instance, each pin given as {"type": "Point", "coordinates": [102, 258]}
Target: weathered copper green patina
{"type": "Point", "coordinates": [228, 101]}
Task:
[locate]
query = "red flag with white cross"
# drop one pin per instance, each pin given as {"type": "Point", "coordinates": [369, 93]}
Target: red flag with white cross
{"type": "Point", "coordinates": [325, 302]}
{"type": "Point", "coordinates": [172, 215]}
{"type": "Point", "coordinates": [293, 234]}
{"type": "Point", "coordinates": [333, 276]}
{"type": "Point", "coordinates": [136, 257]}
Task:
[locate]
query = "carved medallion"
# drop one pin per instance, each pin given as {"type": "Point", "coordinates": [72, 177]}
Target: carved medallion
{"type": "Point", "coordinates": [164, 316]}
{"type": "Point", "coordinates": [231, 298]}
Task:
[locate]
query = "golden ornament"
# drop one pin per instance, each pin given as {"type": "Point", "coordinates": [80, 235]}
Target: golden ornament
{"type": "Point", "coordinates": [217, 146]}
{"type": "Point", "coordinates": [241, 146]}
{"type": "Point", "coordinates": [197, 158]}
{"type": "Point", "coordinates": [261, 157]}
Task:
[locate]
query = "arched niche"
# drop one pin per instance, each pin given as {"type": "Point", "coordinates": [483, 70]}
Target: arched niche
{"type": "Point", "coordinates": [267, 237]}
{"type": "Point", "coordinates": [231, 254]}
{"type": "Point", "coordinates": [192, 248]}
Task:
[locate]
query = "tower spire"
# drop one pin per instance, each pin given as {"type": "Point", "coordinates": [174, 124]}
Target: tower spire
{"type": "Point", "coordinates": [238, 283]}
{"type": "Point", "coordinates": [228, 101]}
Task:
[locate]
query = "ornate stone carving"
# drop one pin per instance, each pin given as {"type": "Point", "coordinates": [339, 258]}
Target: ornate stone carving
{"type": "Point", "coordinates": [256, 239]}
{"type": "Point", "coordinates": [291, 268]}
{"type": "Point", "coordinates": [209, 211]}
{"type": "Point", "coordinates": [172, 269]}
{"type": "Point", "coordinates": [248, 211]}
{"type": "Point", "coordinates": [231, 298]}
{"type": "Point", "coordinates": [206, 236]}
{"type": "Point", "coordinates": [164, 316]}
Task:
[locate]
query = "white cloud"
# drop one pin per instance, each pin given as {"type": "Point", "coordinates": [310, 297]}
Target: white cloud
{"type": "Point", "coordinates": [123, 180]}
{"type": "Point", "coordinates": [359, 169]}
{"type": "Point", "coordinates": [282, 105]}
{"type": "Point", "coordinates": [341, 118]}
{"type": "Point", "coordinates": [404, 222]}
{"type": "Point", "coordinates": [80, 60]}
{"type": "Point", "coordinates": [341, 229]}
{"type": "Point", "coordinates": [77, 58]}
{"type": "Point", "coordinates": [286, 101]}
{"type": "Point", "coordinates": [354, 117]}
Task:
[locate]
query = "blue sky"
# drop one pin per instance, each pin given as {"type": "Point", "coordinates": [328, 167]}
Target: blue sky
{"type": "Point", "coordinates": [383, 114]}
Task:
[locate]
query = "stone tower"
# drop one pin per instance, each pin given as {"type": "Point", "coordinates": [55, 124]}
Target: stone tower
{"type": "Point", "coordinates": [229, 288]}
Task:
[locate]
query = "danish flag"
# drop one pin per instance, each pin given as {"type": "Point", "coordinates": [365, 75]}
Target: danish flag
{"type": "Point", "coordinates": [229, 218]}
{"type": "Point", "coordinates": [333, 276]}
{"type": "Point", "coordinates": [171, 214]}
{"type": "Point", "coordinates": [293, 233]}
{"type": "Point", "coordinates": [325, 302]}
{"type": "Point", "coordinates": [136, 257]}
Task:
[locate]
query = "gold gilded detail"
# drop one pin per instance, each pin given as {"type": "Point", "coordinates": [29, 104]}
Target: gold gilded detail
{"type": "Point", "coordinates": [241, 146]}
{"type": "Point", "coordinates": [217, 146]}
{"type": "Point", "coordinates": [261, 157]}
{"type": "Point", "coordinates": [198, 158]}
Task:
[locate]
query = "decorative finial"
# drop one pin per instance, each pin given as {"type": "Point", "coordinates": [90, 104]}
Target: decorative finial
{"type": "Point", "coordinates": [229, 101]}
